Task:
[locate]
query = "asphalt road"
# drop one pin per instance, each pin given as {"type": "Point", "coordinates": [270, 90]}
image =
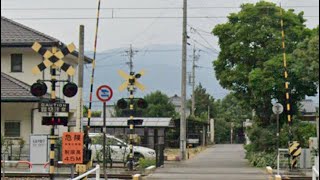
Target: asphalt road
{"type": "Point", "coordinates": [220, 162]}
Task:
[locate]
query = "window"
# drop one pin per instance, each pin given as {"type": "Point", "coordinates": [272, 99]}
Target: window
{"type": "Point", "coordinates": [12, 129]}
{"type": "Point", "coordinates": [16, 62]}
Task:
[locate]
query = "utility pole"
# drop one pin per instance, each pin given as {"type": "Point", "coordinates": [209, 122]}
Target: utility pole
{"type": "Point", "coordinates": [131, 53]}
{"type": "Point", "coordinates": [80, 80]}
{"type": "Point", "coordinates": [195, 57]}
{"type": "Point", "coordinates": [183, 85]}
{"type": "Point", "coordinates": [193, 81]}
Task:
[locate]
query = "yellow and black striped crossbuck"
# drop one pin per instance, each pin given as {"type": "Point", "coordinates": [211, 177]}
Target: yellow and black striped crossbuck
{"type": "Point", "coordinates": [53, 58]}
{"type": "Point", "coordinates": [295, 152]}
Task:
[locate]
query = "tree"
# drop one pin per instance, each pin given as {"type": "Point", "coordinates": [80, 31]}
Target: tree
{"type": "Point", "coordinates": [307, 56]}
{"type": "Point", "coordinates": [159, 105]}
{"type": "Point", "coordinates": [203, 100]}
{"type": "Point", "coordinates": [230, 110]}
{"type": "Point", "coordinates": [250, 62]}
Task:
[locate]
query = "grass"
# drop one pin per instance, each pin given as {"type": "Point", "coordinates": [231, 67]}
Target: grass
{"type": "Point", "coordinates": [172, 154]}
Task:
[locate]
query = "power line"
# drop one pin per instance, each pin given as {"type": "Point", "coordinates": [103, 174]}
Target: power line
{"type": "Point", "coordinates": [205, 39]}
{"type": "Point", "coordinates": [145, 8]}
{"type": "Point", "coordinates": [127, 17]}
{"type": "Point", "coordinates": [123, 17]}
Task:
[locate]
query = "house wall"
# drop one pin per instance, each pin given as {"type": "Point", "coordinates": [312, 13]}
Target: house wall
{"type": "Point", "coordinates": [23, 112]}
{"type": "Point", "coordinates": [30, 59]}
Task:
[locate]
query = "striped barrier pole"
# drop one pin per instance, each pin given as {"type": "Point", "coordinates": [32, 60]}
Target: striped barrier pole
{"type": "Point", "coordinates": [293, 146]}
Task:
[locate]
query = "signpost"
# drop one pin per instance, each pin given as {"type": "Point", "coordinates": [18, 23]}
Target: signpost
{"type": "Point", "coordinates": [38, 149]}
{"type": "Point", "coordinates": [72, 148]}
{"type": "Point", "coordinates": [277, 109]}
{"type": "Point", "coordinates": [104, 94]}
{"type": "Point", "coordinates": [53, 107]}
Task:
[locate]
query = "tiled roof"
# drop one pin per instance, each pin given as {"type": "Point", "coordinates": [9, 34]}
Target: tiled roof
{"type": "Point", "coordinates": [123, 122]}
{"type": "Point", "coordinates": [13, 90]}
{"type": "Point", "coordinates": [15, 34]}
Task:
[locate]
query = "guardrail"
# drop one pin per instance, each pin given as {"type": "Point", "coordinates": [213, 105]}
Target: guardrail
{"type": "Point", "coordinates": [97, 169]}
{"type": "Point", "coordinates": [18, 162]}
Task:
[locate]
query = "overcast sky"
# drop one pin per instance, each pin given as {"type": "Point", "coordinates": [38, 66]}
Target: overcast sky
{"type": "Point", "coordinates": [140, 32]}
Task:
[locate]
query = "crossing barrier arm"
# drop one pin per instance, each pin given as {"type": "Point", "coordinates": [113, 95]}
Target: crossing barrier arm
{"type": "Point", "coordinates": [96, 169]}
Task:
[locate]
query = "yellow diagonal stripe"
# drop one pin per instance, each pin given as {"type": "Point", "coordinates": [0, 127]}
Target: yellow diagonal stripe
{"type": "Point", "coordinates": [59, 55]}
{"type": "Point", "coordinates": [36, 46]}
{"type": "Point", "coordinates": [71, 47]}
{"type": "Point", "coordinates": [35, 70]}
{"type": "Point", "coordinates": [123, 74]}
{"type": "Point", "coordinates": [287, 85]}
{"type": "Point", "coordinates": [59, 63]}
{"type": "Point", "coordinates": [287, 96]}
{"type": "Point", "coordinates": [297, 153]}
{"type": "Point", "coordinates": [47, 55]}
{"type": "Point", "coordinates": [47, 63]}
{"type": "Point", "coordinates": [142, 72]}
{"type": "Point", "coordinates": [71, 71]}
{"type": "Point", "coordinates": [139, 85]}
{"type": "Point", "coordinates": [123, 86]}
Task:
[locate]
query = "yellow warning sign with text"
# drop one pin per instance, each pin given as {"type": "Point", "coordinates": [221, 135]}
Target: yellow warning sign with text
{"type": "Point", "coordinates": [72, 148]}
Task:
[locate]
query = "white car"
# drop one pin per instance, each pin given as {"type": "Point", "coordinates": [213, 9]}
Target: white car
{"type": "Point", "coordinates": [119, 150]}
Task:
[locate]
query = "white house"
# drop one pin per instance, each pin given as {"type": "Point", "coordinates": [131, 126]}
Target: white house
{"type": "Point", "coordinates": [20, 116]}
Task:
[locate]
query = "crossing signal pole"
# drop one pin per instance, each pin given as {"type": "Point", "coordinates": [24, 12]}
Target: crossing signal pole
{"type": "Point", "coordinates": [53, 59]}
{"type": "Point", "coordinates": [131, 83]}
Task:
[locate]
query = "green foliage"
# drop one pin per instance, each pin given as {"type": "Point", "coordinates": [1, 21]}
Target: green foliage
{"type": "Point", "coordinates": [250, 62]}
{"type": "Point", "coordinates": [222, 131]}
{"type": "Point", "coordinates": [158, 106]}
{"type": "Point", "coordinates": [307, 58]}
{"type": "Point", "coordinates": [203, 100]}
{"type": "Point", "coordinates": [229, 110]}
{"type": "Point", "coordinates": [302, 131]}
{"type": "Point", "coordinates": [260, 159]}
{"type": "Point", "coordinates": [144, 163]}
{"type": "Point", "coordinates": [93, 113]}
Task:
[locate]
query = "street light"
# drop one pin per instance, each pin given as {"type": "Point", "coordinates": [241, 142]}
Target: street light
{"type": "Point", "coordinates": [277, 109]}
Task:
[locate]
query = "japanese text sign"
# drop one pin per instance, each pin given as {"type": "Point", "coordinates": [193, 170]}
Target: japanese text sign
{"type": "Point", "coordinates": [72, 148]}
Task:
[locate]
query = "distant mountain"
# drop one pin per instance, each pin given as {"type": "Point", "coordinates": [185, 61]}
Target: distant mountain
{"type": "Point", "coordinates": [162, 64]}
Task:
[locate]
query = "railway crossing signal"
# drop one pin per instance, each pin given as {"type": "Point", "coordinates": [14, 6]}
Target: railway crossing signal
{"type": "Point", "coordinates": [55, 58]}
{"type": "Point", "coordinates": [139, 102]}
{"type": "Point", "coordinates": [38, 89]}
{"type": "Point", "coordinates": [70, 89]}
{"type": "Point", "coordinates": [131, 83]}
{"type": "Point", "coordinates": [48, 121]}
{"type": "Point", "coordinates": [131, 80]}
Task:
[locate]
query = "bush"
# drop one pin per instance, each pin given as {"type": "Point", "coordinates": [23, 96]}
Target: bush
{"type": "Point", "coordinates": [144, 163]}
{"type": "Point", "coordinates": [262, 151]}
{"type": "Point", "coordinates": [261, 159]}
